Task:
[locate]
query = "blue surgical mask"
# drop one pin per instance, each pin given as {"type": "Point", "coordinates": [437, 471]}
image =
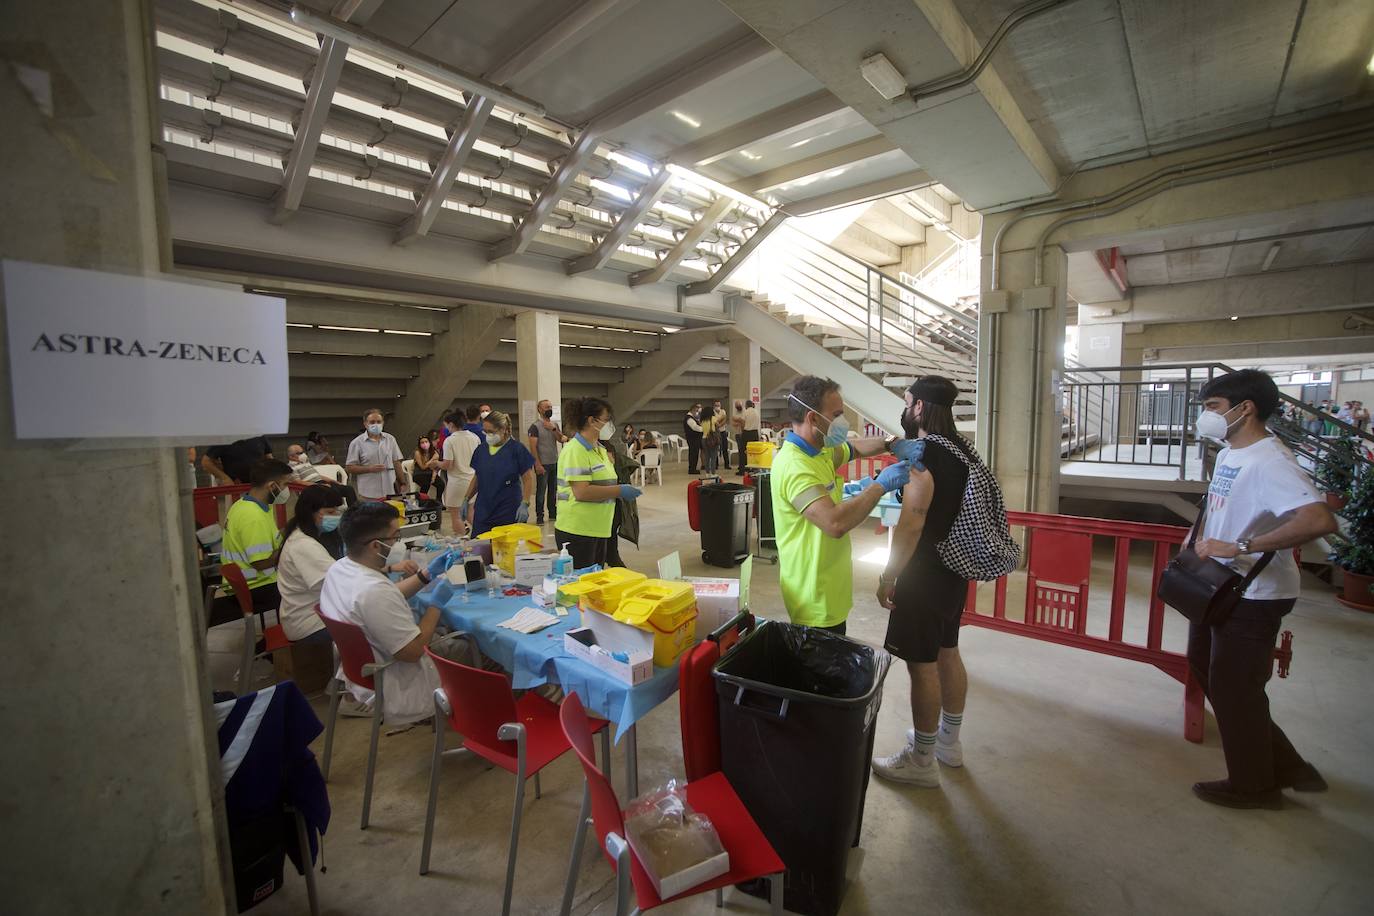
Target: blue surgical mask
{"type": "Point", "coordinates": [838, 432]}
{"type": "Point", "coordinates": [374, 428]}
{"type": "Point", "coordinates": [329, 522]}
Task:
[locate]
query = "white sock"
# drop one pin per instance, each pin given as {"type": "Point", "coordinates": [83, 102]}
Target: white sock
{"type": "Point", "coordinates": [925, 746]}
{"type": "Point", "coordinates": [949, 726]}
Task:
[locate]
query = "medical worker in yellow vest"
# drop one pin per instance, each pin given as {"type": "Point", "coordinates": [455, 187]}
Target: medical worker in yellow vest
{"type": "Point", "coordinates": [811, 517]}
{"type": "Point", "coordinates": [587, 483]}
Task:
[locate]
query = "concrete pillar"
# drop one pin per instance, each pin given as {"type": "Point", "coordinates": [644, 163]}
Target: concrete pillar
{"type": "Point", "coordinates": [115, 801]}
{"type": "Point", "coordinates": [1019, 414]}
{"type": "Point", "coordinates": [539, 372]}
{"type": "Point", "coordinates": [746, 378]}
{"type": "Point", "coordinates": [1095, 405]}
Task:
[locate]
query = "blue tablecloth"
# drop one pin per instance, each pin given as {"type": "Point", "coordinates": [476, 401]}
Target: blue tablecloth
{"type": "Point", "coordinates": [539, 658]}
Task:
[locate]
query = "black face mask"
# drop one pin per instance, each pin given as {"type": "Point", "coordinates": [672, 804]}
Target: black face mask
{"type": "Point", "coordinates": [909, 424]}
{"type": "Point", "coordinates": [548, 415]}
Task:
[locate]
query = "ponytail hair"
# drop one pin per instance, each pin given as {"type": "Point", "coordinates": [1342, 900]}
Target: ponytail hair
{"type": "Point", "coordinates": [578, 411]}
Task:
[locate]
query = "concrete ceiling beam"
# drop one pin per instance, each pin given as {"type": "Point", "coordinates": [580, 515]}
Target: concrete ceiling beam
{"type": "Point", "coordinates": [859, 194]}
{"type": "Point", "coordinates": [868, 246]}
{"type": "Point", "coordinates": [579, 22]}
{"type": "Point", "coordinates": [795, 114]}
{"type": "Point", "coordinates": [379, 316]}
{"type": "Point", "coordinates": [975, 139]}
{"type": "Point", "coordinates": [473, 332]}
{"type": "Point", "coordinates": [893, 224]}
{"type": "Point", "coordinates": [346, 389]}
{"type": "Point", "coordinates": [1304, 290]}
{"type": "Point", "coordinates": [815, 165]}
{"type": "Point", "coordinates": [224, 231]}
{"type": "Point", "coordinates": [355, 343]}
{"type": "Point", "coordinates": [1345, 325]}
{"type": "Point", "coordinates": [659, 370]}
{"type": "Point", "coordinates": [305, 365]}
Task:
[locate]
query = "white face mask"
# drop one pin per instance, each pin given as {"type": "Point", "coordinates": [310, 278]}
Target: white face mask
{"type": "Point", "coordinates": [496, 439]}
{"type": "Point", "coordinates": [607, 431]}
{"type": "Point", "coordinates": [1213, 425]}
{"type": "Point", "coordinates": [374, 428]}
{"type": "Point", "coordinates": [395, 554]}
{"type": "Point", "coordinates": [281, 497]}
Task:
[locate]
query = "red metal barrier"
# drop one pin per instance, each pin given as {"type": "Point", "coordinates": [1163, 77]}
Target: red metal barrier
{"type": "Point", "coordinates": [1058, 567]}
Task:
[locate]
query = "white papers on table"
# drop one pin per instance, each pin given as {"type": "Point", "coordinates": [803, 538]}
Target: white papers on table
{"type": "Point", "coordinates": [529, 620]}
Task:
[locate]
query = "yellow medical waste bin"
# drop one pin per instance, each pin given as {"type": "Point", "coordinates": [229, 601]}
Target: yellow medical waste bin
{"type": "Point", "coordinates": [759, 454]}
{"type": "Point", "coordinates": [506, 541]}
{"type": "Point", "coordinates": [668, 610]}
{"type": "Point", "coordinates": [601, 591]}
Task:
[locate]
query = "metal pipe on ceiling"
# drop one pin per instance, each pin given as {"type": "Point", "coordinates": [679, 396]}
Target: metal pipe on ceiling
{"type": "Point", "coordinates": [961, 78]}
{"type": "Point", "coordinates": [1157, 174]}
{"type": "Point", "coordinates": [1293, 158]}
{"type": "Point", "coordinates": [1278, 236]}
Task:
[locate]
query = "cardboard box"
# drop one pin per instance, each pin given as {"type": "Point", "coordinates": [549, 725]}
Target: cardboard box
{"type": "Point", "coordinates": [583, 643]}
{"type": "Point", "coordinates": [718, 602]}
{"type": "Point", "coordinates": [531, 568]}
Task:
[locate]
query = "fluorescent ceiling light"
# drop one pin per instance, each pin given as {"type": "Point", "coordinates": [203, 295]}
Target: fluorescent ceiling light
{"type": "Point", "coordinates": [1235, 318]}
{"type": "Point", "coordinates": [1370, 68]}
{"type": "Point", "coordinates": [685, 119]}
{"type": "Point", "coordinates": [752, 157]}
{"type": "Point", "coordinates": [879, 73]}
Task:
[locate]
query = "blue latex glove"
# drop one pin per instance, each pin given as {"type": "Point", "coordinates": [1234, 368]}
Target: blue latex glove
{"type": "Point", "coordinates": [522, 513]}
{"type": "Point", "coordinates": [894, 476]}
{"type": "Point", "coordinates": [855, 487]}
{"type": "Point", "coordinates": [629, 492]}
{"type": "Point", "coordinates": [911, 451]}
{"type": "Point", "coordinates": [438, 566]}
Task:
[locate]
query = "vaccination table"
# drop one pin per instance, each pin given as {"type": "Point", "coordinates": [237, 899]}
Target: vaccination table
{"type": "Point", "coordinates": [534, 659]}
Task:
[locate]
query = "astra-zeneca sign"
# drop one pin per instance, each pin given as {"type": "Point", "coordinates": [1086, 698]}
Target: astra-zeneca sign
{"type": "Point", "coordinates": [110, 355]}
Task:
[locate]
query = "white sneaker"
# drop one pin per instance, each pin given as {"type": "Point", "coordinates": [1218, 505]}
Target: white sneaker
{"type": "Point", "coordinates": [951, 755]}
{"type": "Point", "coordinates": [905, 766]}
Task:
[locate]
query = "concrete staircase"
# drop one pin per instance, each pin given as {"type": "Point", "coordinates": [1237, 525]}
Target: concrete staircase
{"type": "Point", "coordinates": [829, 314]}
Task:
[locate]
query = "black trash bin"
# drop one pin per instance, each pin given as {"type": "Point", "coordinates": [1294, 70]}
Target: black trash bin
{"type": "Point", "coordinates": [725, 510]}
{"type": "Point", "coordinates": [797, 712]}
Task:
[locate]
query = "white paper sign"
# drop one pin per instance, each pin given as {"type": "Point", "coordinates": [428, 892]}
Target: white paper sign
{"type": "Point", "coordinates": [115, 356]}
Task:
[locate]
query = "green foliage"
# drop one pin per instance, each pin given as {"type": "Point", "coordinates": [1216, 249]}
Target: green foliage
{"type": "Point", "coordinates": [1354, 549]}
{"type": "Point", "coordinates": [1336, 473]}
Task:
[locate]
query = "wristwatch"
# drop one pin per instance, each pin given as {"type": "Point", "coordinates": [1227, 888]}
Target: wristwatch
{"type": "Point", "coordinates": [887, 442]}
{"type": "Point", "coordinates": [423, 575]}
{"type": "Point", "coordinates": [1243, 545]}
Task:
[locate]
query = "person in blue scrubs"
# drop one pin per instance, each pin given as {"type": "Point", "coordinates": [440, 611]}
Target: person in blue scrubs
{"type": "Point", "coordinates": [504, 477]}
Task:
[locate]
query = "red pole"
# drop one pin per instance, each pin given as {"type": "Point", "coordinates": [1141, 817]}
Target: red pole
{"type": "Point", "coordinates": [1119, 572]}
{"type": "Point", "coordinates": [1156, 632]}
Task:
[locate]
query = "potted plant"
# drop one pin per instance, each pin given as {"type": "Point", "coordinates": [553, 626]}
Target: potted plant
{"type": "Point", "coordinates": [1354, 547]}
{"type": "Point", "coordinates": [1336, 473]}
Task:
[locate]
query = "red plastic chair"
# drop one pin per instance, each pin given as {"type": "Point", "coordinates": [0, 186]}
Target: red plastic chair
{"type": "Point", "coordinates": [751, 855]}
{"type": "Point", "coordinates": [360, 666]}
{"type": "Point", "coordinates": [274, 636]}
{"type": "Point", "coordinates": [520, 736]}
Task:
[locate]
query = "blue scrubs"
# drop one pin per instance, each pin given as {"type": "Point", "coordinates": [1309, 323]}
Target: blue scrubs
{"type": "Point", "coordinates": [499, 490]}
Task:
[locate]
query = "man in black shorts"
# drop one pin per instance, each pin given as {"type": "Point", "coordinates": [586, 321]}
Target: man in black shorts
{"type": "Point", "coordinates": [927, 599]}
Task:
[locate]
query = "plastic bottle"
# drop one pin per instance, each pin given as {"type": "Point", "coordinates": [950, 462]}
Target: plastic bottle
{"type": "Point", "coordinates": [562, 566]}
{"type": "Point", "coordinates": [493, 581]}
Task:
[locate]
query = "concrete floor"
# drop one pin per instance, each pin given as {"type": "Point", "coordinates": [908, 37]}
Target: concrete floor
{"type": "Point", "coordinates": [1074, 798]}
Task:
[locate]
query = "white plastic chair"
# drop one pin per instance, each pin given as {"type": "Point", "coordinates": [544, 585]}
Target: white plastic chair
{"type": "Point", "coordinates": [650, 463]}
{"type": "Point", "coordinates": [333, 472]}
{"type": "Point", "coordinates": [676, 443]}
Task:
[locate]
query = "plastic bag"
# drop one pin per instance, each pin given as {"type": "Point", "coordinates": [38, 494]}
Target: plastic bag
{"type": "Point", "coordinates": [669, 837]}
{"type": "Point", "coordinates": [804, 659]}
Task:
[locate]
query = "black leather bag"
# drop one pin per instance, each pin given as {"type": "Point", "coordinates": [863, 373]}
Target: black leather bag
{"type": "Point", "coordinates": [1200, 588]}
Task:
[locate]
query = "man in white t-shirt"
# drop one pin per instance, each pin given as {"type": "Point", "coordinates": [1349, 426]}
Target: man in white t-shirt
{"type": "Point", "coordinates": [457, 461]}
{"type": "Point", "coordinates": [1259, 502]}
{"type": "Point", "coordinates": [371, 455]}
{"type": "Point", "coordinates": [357, 591]}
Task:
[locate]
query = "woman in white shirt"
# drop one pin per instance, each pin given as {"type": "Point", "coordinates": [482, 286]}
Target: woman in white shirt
{"type": "Point", "coordinates": [305, 560]}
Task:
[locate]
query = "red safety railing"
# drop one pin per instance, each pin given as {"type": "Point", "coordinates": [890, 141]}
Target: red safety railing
{"type": "Point", "coordinates": [860, 468]}
{"type": "Point", "coordinates": [1059, 555]}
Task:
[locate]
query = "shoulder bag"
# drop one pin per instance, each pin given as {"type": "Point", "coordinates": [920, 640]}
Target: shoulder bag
{"type": "Point", "coordinates": [1200, 588]}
